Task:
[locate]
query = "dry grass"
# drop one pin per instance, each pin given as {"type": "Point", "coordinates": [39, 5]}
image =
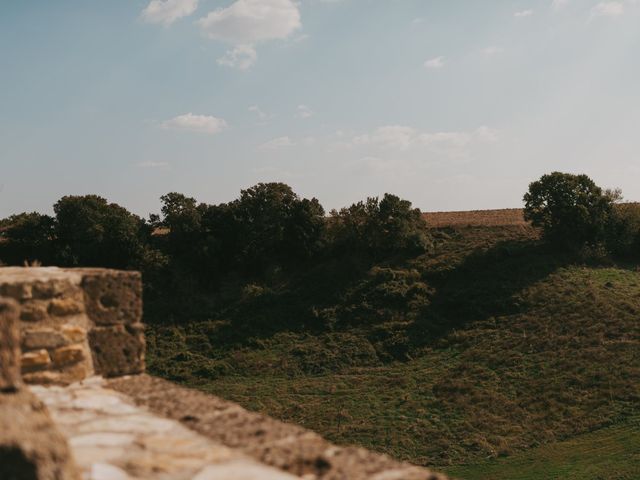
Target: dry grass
{"type": "Point", "coordinates": [487, 218]}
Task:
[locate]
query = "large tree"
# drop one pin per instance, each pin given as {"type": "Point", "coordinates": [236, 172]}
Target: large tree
{"type": "Point", "coordinates": [571, 209]}
{"type": "Point", "coordinates": [92, 232]}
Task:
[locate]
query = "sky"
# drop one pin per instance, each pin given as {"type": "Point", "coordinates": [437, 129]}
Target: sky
{"type": "Point", "coordinates": [451, 104]}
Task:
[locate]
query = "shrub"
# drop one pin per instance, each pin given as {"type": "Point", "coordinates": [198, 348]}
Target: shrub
{"type": "Point", "coordinates": [27, 237]}
{"type": "Point", "coordinates": [571, 209]}
{"type": "Point", "coordinates": [91, 232]}
{"type": "Point", "coordinates": [379, 228]}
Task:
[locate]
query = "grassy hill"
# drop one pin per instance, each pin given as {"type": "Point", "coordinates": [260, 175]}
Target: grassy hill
{"type": "Point", "coordinates": [488, 347]}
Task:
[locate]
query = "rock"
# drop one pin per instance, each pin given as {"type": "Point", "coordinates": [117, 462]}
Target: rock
{"type": "Point", "coordinates": [104, 471]}
{"type": "Point", "coordinates": [17, 291]}
{"type": "Point", "coordinates": [31, 448]}
{"type": "Point", "coordinates": [9, 346]}
{"type": "Point", "coordinates": [45, 338]}
{"type": "Point", "coordinates": [66, 355]}
{"type": "Point", "coordinates": [36, 359]}
{"type": "Point", "coordinates": [74, 334]}
{"type": "Point", "coordinates": [117, 351]}
{"type": "Point", "coordinates": [112, 297]}
{"type": "Point", "coordinates": [241, 470]}
{"type": "Point", "coordinates": [61, 307]}
{"type": "Point", "coordinates": [33, 313]}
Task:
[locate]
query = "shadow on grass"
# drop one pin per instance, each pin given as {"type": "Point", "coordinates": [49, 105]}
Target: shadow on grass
{"type": "Point", "coordinates": [486, 284]}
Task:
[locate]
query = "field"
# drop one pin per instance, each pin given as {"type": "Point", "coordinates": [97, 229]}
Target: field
{"type": "Point", "coordinates": [487, 218]}
{"type": "Point", "coordinates": [611, 453]}
{"type": "Point", "coordinates": [487, 357]}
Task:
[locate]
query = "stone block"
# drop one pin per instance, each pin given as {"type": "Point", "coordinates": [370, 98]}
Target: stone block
{"type": "Point", "coordinates": [66, 355]}
{"type": "Point", "coordinates": [43, 338]}
{"type": "Point", "coordinates": [74, 334]}
{"type": "Point", "coordinates": [18, 291]}
{"type": "Point", "coordinates": [35, 360]}
{"type": "Point", "coordinates": [70, 374]}
{"type": "Point", "coordinates": [31, 448]}
{"type": "Point", "coordinates": [33, 313]}
{"type": "Point", "coordinates": [117, 350]}
{"type": "Point", "coordinates": [112, 297]}
{"type": "Point", "coordinates": [62, 307]}
{"type": "Point", "coordinates": [9, 346]}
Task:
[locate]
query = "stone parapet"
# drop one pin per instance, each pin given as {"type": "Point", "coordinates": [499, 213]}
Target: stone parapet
{"type": "Point", "coordinates": [76, 322]}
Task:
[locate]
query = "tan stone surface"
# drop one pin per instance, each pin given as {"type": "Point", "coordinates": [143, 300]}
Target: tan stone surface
{"type": "Point", "coordinates": [9, 346]}
{"type": "Point", "coordinates": [30, 445]}
{"type": "Point", "coordinates": [43, 338]}
{"type": "Point", "coordinates": [36, 359]}
{"type": "Point", "coordinates": [112, 438]}
{"type": "Point", "coordinates": [286, 447]}
{"type": "Point", "coordinates": [69, 354]}
{"type": "Point", "coordinates": [112, 297]}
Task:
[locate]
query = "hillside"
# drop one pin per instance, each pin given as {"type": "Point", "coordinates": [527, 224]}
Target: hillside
{"type": "Point", "coordinates": [485, 347]}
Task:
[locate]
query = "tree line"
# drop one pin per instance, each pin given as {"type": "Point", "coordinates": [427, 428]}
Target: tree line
{"type": "Point", "coordinates": [269, 227]}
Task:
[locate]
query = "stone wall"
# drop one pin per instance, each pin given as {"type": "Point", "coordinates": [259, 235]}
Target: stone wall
{"type": "Point", "coordinates": [75, 323]}
{"type": "Point", "coordinates": [31, 447]}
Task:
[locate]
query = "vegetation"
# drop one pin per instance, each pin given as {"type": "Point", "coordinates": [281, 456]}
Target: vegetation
{"type": "Point", "coordinates": [443, 346]}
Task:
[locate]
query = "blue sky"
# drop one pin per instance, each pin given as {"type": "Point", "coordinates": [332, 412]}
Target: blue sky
{"type": "Point", "coordinates": [451, 104]}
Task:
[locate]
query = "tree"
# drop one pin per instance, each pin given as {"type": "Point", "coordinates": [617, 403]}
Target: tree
{"type": "Point", "coordinates": [27, 237]}
{"type": "Point", "coordinates": [571, 210]}
{"type": "Point", "coordinates": [379, 228]}
{"type": "Point", "coordinates": [276, 226]}
{"type": "Point", "coordinates": [91, 232]}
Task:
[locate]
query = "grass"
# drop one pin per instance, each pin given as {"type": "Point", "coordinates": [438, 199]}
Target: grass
{"type": "Point", "coordinates": [488, 347]}
{"type": "Point", "coordinates": [608, 454]}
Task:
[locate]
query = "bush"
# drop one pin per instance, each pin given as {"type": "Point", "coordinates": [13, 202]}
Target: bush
{"type": "Point", "coordinates": [27, 237]}
{"type": "Point", "coordinates": [379, 228]}
{"type": "Point", "coordinates": [571, 209]}
{"type": "Point", "coordinates": [91, 232]}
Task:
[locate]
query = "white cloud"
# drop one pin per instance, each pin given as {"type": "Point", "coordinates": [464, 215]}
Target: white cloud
{"type": "Point", "coordinates": [492, 50]}
{"type": "Point", "coordinates": [304, 112]}
{"type": "Point", "coordinates": [523, 13]}
{"type": "Point", "coordinates": [246, 22]}
{"type": "Point", "coordinates": [280, 142]}
{"type": "Point", "coordinates": [196, 123]}
{"type": "Point", "coordinates": [607, 9]}
{"type": "Point", "coordinates": [435, 63]}
{"type": "Point", "coordinates": [168, 11]}
{"type": "Point", "coordinates": [242, 57]}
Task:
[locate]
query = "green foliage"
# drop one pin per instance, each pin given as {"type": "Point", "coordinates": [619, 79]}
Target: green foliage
{"type": "Point", "coordinates": [379, 228]}
{"type": "Point", "coordinates": [27, 238]}
{"type": "Point", "coordinates": [623, 232]}
{"type": "Point", "coordinates": [275, 225]}
{"type": "Point", "coordinates": [571, 209]}
{"type": "Point", "coordinates": [91, 232]}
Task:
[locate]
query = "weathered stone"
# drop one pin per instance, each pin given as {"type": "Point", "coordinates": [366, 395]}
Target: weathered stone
{"type": "Point", "coordinates": [50, 289]}
{"type": "Point", "coordinates": [68, 375]}
{"type": "Point", "coordinates": [73, 333]}
{"type": "Point", "coordinates": [112, 297]}
{"type": "Point", "coordinates": [30, 445]}
{"type": "Point", "coordinates": [69, 354]}
{"type": "Point", "coordinates": [18, 291]}
{"type": "Point", "coordinates": [45, 338]}
{"type": "Point", "coordinates": [116, 351]}
{"type": "Point", "coordinates": [35, 360]}
{"type": "Point", "coordinates": [33, 312]}
{"type": "Point", "coordinates": [242, 470]}
{"type": "Point", "coordinates": [46, 377]}
{"type": "Point", "coordinates": [9, 346]}
{"type": "Point", "coordinates": [61, 307]}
